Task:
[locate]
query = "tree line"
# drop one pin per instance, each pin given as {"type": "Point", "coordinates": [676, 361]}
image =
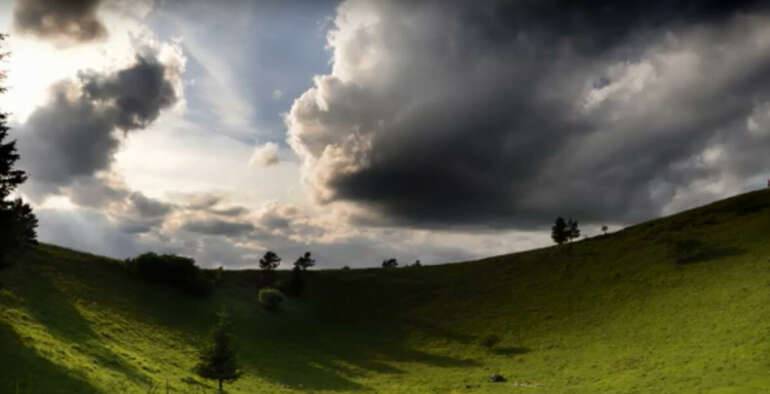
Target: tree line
{"type": "Point", "coordinates": [18, 224]}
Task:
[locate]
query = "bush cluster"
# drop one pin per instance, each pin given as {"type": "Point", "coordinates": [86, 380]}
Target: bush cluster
{"type": "Point", "coordinates": [270, 298]}
{"type": "Point", "coordinates": [176, 271]}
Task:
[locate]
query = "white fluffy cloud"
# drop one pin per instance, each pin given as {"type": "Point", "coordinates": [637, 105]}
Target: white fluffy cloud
{"type": "Point", "coordinates": [265, 155]}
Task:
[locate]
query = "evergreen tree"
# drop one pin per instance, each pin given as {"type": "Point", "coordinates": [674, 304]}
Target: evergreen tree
{"type": "Point", "coordinates": [218, 360]}
{"type": "Point", "coordinates": [559, 231]}
{"type": "Point", "coordinates": [17, 222]}
{"type": "Point", "coordinates": [573, 231]}
{"type": "Point", "coordinates": [305, 261]}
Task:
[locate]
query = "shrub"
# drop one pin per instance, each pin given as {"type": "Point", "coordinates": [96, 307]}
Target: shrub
{"type": "Point", "coordinates": [490, 341]}
{"type": "Point", "coordinates": [176, 271]}
{"type": "Point", "coordinates": [270, 298]}
{"type": "Point", "coordinates": [497, 378]}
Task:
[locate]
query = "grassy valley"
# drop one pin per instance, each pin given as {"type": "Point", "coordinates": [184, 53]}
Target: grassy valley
{"type": "Point", "coordinates": [676, 305]}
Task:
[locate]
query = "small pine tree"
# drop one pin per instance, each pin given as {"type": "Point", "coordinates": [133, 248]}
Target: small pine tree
{"type": "Point", "coordinates": [559, 231]}
{"type": "Point", "coordinates": [573, 231]}
{"type": "Point", "coordinates": [604, 230]}
{"type": "Point", "coordinates": [417, 264]}
{"type": "Point", "coordinates": [305, 261]}
{"type": "Point", "coordinates": [17, 222]}
{"type": "Point", "coordinates": [218, 360]}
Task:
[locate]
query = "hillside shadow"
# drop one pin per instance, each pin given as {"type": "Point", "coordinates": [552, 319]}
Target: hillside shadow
{"type": "Point", "coordinates": [511, 350]}
{"type": "Point", "coordinates": [51, 307]}
{"type": "Point", "coordinates": [24, 371]}
{"type": "Point", "coordinates": [692, 251]}
{"type": "Point", "coordinates": [333, 361]}
{"type": "Point", "coordinates": [440, 332]}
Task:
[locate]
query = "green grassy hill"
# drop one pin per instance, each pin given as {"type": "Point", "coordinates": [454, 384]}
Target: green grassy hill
{"type": "Point", "coordinates": [676, 305]}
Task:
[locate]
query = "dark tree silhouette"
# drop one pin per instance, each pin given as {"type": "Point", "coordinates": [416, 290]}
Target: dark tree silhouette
{"type": "Point", "coordinates": [296, 282]}
{"type": "Point", "coordinates": [390, 263]}
{"type": "Point", "coordinates": [269, 261]}
{"type": "Point", "coordinates": [175, 271]}
{"type": "Point", "coordinates": [305, 261]}
{"type": "Point", "coordinates": [573, 230]}
{"type": "Point", "coordinates": [604, 229]}
{"type": "Point", "coordinates": [218, 360]}
{"type": "Point", "coordinates": [417, 264]}
{"type": "Point", "coordinates": [560, 231]}
{"type": "Point", "coordinates": [17, 222]}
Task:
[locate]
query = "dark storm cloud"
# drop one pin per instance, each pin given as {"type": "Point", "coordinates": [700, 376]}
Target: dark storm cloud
{"type": "Point", "coordinates": [214, 226]}
{"type": "Point", "coordinates": [74, 135]}
{"type": "Point", "coordinates": [70, 21]}
{"type": "Point", "coordinates": [148, 207]}
{"type": "Point", "coordinates": [511, 113]}
{"type": "Point", "coordinates": [131, 211]}
{"type": "Point", "coordinates": [137, 94]}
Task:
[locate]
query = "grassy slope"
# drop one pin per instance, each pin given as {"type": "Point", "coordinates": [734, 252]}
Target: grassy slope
{"type": "Point", "coordinates": [610, 314]}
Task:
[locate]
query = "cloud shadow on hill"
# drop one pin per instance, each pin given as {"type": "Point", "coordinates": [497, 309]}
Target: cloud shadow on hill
{"type": "Point", "coordinates": [25, 365]}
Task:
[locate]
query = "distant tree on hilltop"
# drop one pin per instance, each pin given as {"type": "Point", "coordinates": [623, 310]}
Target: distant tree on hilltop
{"type": "Point", "coordinates": [573, 231]}
{"type": "Point", "coordinates": [218, 361]}
{"type": "Point", "coordinates": [560, 231]}
{"type": "Point", "coordinates": [390, 263]}
{"type": "Point", "coordinates": [269, 261]}
{"type": "Point", "coordinates": [305, 261]}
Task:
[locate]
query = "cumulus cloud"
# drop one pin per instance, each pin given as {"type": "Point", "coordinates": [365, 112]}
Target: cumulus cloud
{"type": "Point", "coordinates": [76, 134]}
{"type": "Point", "coordinates": [265, 155]}
{"type": "Point", "coordinates": [64, 22]}
{"type": "Point", "coordinates": [507, 114]}
{"type": "Point", "coordinates": [131, 211]}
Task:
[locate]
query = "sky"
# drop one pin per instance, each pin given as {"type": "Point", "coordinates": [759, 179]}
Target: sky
{"type": "Point", "coordinates": [362, 130]}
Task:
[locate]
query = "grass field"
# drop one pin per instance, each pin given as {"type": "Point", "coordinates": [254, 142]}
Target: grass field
{"type": "Point", "coordinates": [676, 305]}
